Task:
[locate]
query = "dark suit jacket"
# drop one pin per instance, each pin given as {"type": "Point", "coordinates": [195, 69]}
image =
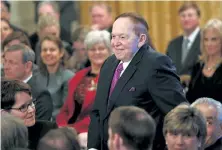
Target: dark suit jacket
{"type": "Point", "coordinates": [216, 146]}
{"type": "Point", "coordinates": [174, 50]}
{"type": "Point", "coordinates": [157, 89]}
{"type": "Point", "coordinates": [37, 131]}
{"type": "Point", "coordinates": [43, 98]}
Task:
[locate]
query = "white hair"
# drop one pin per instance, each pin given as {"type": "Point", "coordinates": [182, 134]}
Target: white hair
{"type": "Point", "coordinates": [211, 102]}
{"type": "Point", "coordinates": [98, 36]}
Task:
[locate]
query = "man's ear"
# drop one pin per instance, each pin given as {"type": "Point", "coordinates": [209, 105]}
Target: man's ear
{"type": "Point", "coordinates": [28, 65]}
{"type": "Point", "coordinates": [118, 141]}
{"type": "Point", "coordinates": [142, 40]}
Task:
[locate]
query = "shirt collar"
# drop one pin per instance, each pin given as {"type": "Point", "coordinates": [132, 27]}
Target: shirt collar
{"type": "Point", "coordinates": [125, 64]}
{"type": "Point", "coordinates": [27, 79]}
{"type": "Point", "coordinates": [193, 35]}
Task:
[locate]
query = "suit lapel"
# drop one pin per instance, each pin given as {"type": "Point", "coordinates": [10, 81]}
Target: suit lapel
{"type": "Point", "coordinates": [107, 80]}
{"type": "Point", "coordinates": [179, 54]}
{"type": "Point", "coordinates": [126, 76]}
{"type": "Point", "coordinates": [192, 52]}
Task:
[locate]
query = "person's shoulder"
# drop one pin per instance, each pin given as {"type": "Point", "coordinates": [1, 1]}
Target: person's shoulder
{"type": "Point", "coordinates": [156, 58]}
{"type": "Point", "coordinates": [153, 55]}
{"type": "Point", "coordinates": [79, 74]}
{"type": "Point", "coordinates": [68, 73]}
{"type": "Point", "coordinates": [38, 89]}
{"type": "Point", "coordinates": [176, 39]}
{"type": "Point", "coordinates": [111, 58]}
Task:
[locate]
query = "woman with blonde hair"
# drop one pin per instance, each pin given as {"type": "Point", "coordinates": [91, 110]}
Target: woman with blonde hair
{"type": "Point", "coordinates": [206, 77]}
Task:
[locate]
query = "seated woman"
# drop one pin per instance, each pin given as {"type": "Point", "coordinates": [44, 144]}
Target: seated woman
{"type": "Point", "coordinates": [52, 75]}
{"type": "Point", "coordinates": [206, 77]}
{"type": "Point", "coordinates": [49, 25]}
{"type": "Point", "coordinates": [82, 87]}
{"type": "Point", "coordinates": [184, 128]}
{"type": "Point", "coordinates": [6, 29]}
{"type": "Point", "coordinates": [16, 99]}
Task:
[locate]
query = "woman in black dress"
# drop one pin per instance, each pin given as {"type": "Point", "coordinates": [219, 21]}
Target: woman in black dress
{"type": "Point", "coordinates": [206, 78]}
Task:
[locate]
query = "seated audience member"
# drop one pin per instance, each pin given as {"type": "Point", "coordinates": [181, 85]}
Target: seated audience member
{"type": "Point", "coordinates": [184, 128]}
{"type": "Point", "coordinates": [6, 29]}
{"type": "Point", "coordinates": [18, 37]}
{"type": "Point", "coordinates": [206, 77]}
{"type": "Point", "coordinates": [18, 64]}
{"type": "Point", "coordinates": [13, 132]}
{"type": "Point", "coordinates": [15, 37]}
{"type": "Point", "coordinates": [49, 25]}
{"type": "Point", "coordinates": [79, 59]}
{"type": "Point", "coordinates": [49, 8]}
{"type": "Point", "coordinates": [53, 76]}
{"type": "Point", "coordinates": [6, 14]}
{"type": "Point", "coordinates": [16, 99]}
{"type": "Point", "coordinates": [82, 87]}
{"type": "Point", "coordinates": [101, 16]}
{"type": "Point", "coordinates": [131, 128]}
{"type": "Point", "coordinates": [212, 111]}
{"type": "Point", "coordinates": [64, 138]}
{"type": "Point", "coordinates": [185, 49]}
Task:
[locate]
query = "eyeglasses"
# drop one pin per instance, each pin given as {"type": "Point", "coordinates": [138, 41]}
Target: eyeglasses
{"type": "Point", "coordinates": [25, 107]}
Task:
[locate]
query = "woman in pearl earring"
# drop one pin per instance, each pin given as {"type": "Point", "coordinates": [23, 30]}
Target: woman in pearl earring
{"type": "Point", "coordinates": [206, 77]}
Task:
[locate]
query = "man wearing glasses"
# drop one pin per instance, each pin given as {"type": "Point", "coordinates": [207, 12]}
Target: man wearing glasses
{"type": "Point", "coordinates": [16, 99]}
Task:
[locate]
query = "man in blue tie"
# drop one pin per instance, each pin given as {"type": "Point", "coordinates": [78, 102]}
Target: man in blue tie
{"type": "Point", "coordinates": [135, 75]}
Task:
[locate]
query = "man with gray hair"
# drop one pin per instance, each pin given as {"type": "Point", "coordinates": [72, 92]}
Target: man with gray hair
{"type": "Point", "coordinates": [49, 8]}
{"type": "Point", "coordinates": [212, 110]}
{"type": "Point", "coordinates": [18, 64]}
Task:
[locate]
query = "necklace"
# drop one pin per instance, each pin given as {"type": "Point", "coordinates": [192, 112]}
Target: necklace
{"type": "Point", "coordinates": [214, 67]}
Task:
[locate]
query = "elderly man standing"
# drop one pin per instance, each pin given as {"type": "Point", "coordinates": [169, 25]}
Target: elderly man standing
{"type": "Point", "coordinates": [135, 75]}
{"type": "Point", "coordinates": [212, 110]}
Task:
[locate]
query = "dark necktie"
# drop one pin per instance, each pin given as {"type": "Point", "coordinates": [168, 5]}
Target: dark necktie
{"type": "Point", "coordinates": [116, 77]}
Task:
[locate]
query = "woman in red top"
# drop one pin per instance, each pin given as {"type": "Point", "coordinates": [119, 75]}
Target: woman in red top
{"type": "Point", "coordinates": [82, 87]}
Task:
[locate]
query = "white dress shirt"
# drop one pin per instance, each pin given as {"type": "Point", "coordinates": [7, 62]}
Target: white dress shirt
{"type": "Point", "coordinates": [192, 37]}
{"type": "Point", "coordinates": [27, 79]}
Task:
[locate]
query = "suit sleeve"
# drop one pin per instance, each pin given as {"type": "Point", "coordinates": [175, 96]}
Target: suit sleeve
{"type": "Point", "coordinates": [44, 106]}
{"type": "Point", "coordinates": [93, 131]}
{"type": "Point", "coordinates": [164, 85]}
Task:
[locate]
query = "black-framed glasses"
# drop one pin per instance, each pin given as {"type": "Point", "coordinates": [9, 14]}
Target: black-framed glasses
{"type": "Point", "coordinates": [25, 107]}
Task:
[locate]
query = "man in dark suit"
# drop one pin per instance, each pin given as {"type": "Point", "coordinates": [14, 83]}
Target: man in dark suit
{"type": "Point", "coordinates": [135, 75]}
{"type": "Point", "coordinates": [185, 49]}
{"type": "Point", "coordinates": [18, 63]}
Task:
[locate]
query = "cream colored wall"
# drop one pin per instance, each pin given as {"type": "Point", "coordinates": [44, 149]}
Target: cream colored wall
{"type": "Point", "coordinates": [22, 15]}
